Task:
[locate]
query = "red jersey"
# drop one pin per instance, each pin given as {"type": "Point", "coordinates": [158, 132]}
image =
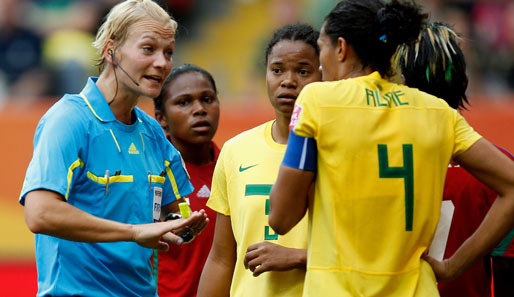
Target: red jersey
{"type": "Point", "coordinates": [180, 268]}
{"type": "Point", "coordinates": [472, 200]}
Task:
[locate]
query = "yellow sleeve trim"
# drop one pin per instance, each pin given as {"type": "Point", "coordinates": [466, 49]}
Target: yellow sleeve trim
{"type": "Point", "coordinates": [172, 179]}
{"type": "Point", "coordinates": [69, 177]}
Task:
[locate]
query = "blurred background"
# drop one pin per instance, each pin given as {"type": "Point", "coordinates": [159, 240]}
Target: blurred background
{"type": "Point", "coordinates": [45, 51]}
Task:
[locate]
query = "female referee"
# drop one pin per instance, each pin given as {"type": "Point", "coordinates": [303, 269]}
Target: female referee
{"type": "Point", "coordinates": [102, 169]}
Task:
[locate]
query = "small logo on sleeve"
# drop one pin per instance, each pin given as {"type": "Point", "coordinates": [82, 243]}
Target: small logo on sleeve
{"type": "Point", "coordinates": [297, 111]}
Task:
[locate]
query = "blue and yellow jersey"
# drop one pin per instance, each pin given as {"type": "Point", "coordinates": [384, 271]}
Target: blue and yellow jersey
{"type": "Point", "coordinates": [247, 167]}
{"type": "Point", "coordinates": [382, 154]}
{"type": "Point", "coordinates": [110, 170]}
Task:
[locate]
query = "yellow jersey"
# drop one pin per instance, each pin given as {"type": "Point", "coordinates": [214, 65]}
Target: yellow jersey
{"type": "Point", "coordinates": [383, 152]}
{"type": "Point", "coordinates": [247, 167]}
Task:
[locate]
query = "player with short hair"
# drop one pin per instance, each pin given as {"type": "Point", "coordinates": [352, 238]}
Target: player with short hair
{"type": "Point", "coordinates": [245, 171]}
{"type": "Point", "coordinates": [435, 64]}
{"type": "Point", "coordinates": [102, 169]}
{"type": "Point", "coordinates": [378, 153]}
{"type": "Point", "coordinates": [188, 110]}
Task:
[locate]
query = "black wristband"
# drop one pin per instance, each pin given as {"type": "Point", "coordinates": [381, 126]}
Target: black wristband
{"type": "Point", "coordinates": [186, 236]}
{"type": "Point", "coordinates": [172, 216]}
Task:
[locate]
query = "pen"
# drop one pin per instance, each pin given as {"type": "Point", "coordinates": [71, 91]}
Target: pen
{"type": "Point", "coordinates": [106, 176]}
{"type": "Point", "coordinates": [149, 181]}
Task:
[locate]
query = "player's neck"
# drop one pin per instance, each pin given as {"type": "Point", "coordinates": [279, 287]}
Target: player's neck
{"type": "Point", "coordinates": [121, 101]}
{"type": "Point", "coordinates": [197, 154]}
{"type": "Point", "coordinates": [280, 129]}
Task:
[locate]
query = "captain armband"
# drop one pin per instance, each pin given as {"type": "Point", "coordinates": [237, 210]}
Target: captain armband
{"type": "Point", "coordinates": [301, 153]}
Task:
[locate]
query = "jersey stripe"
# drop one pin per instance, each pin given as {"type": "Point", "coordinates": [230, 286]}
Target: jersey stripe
{"type": "Point", "coordinates": [172, 179]}
{"type": "Point", "coordinates": [115, 141]}
{"type": "Point", "coordinates": [90, 107]}
{"type": "Point", "coordinates": [73, 165]}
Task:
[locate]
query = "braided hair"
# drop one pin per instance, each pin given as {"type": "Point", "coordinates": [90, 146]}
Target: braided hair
{"type": "Point", "coordinates": [435, 64]}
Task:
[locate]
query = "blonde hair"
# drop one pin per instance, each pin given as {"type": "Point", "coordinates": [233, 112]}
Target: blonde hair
{"type": "Point", "coordinates": [122, 16]}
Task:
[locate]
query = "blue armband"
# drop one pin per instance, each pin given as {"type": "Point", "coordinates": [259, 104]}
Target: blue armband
{"type": "Point", "coordinates": [301, 153]}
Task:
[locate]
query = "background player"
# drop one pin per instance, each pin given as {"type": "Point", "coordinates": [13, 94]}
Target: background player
{"type": "Point", "coordinates": [435, 64]}
{"type": "Point", "coordinates": [242, 179]}
{"type": "Point", "coordinates": [379, 152]}
{"type": "Point", "coordinates": [188, 110]}
{"type": "Point", "coordinates": [102, 169]}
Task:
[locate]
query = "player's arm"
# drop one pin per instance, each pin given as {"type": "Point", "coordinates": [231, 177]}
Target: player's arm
{"type": "Point", "coordinates": [266, 256]}
{"type": "Point", "coordinates": [217, 273]}
{"type": "Point", "coordinates": [494, 169]}
{"type": "Point", "coordinates": [289, 194]}
{"type": "Point", "coordinates": [46, 212]}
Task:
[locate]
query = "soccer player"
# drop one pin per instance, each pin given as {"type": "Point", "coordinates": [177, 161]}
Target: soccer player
{"type": "Point", "coordinates": [188, 110]}
{"type": "Point", "coordinates": [378, 152]}
{"type": "Point", "coordinates": [246, 169]}
{"type": "Point", "coordinates": [102, 169]}
{"type": "Point", "coordinates": [435, 64]}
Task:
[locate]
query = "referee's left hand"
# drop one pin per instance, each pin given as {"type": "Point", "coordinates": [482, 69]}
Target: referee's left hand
{"type": "Point", "coordinates": [158, 235]}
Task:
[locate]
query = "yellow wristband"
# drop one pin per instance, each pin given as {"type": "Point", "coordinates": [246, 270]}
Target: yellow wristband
{"type": "Point", "coordinates": [185, 211]}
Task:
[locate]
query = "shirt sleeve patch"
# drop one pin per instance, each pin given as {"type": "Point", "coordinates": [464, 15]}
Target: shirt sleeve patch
{"type": "Point", "coordinates": [295, 116]}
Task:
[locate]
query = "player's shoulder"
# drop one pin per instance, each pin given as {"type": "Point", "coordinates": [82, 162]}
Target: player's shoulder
{"type": "Point", "coordinates": [70, 110]}
{"type": "Point", "coordinates": [324, 86]}
{"type": "Point", "coordinates": [245, 143]}
{"type": "Point", "coordinates": [430, 100]}
{"type": "Point", "coordinates": [323, 92]}
{"type": "Point", "coordinates": [248, 137]}
{"type": "Point", "coordinates": [69, 103]}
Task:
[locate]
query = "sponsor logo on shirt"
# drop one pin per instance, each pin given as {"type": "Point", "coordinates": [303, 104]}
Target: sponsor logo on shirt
{"type": "Point", "coordinates": [241, 168]}
{"type": "Point", "coordinates": [204, 192]}
{"type": "Point", "coordinates": [133, 150]}
{"type": "Point", "coordinates": [295, 116]}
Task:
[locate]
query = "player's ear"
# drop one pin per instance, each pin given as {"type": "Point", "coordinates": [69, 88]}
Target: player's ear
{"type": "Point", "coordinates": [404, 81]}
{"type": "Point", "coordinates": [342, 49]}
{"type": "Point", "coordinates": [161, 118]}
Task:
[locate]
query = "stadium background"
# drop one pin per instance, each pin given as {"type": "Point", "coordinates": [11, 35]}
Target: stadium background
{"type": "Point", "coordinates": [227, 37]}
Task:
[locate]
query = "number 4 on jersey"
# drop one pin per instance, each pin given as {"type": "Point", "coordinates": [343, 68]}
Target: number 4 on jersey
{"type": "Point", "coordinates": [406, 172]}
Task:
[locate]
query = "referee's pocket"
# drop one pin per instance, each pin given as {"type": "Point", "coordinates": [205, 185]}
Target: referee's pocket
{"type": "Point", "coordinates": [103, 180]}
{"type": "Point", "coordinates": [107, 180]}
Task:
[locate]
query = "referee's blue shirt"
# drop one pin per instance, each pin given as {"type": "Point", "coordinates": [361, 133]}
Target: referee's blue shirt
{"type": "Point", "coordinates": [76, 142]}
